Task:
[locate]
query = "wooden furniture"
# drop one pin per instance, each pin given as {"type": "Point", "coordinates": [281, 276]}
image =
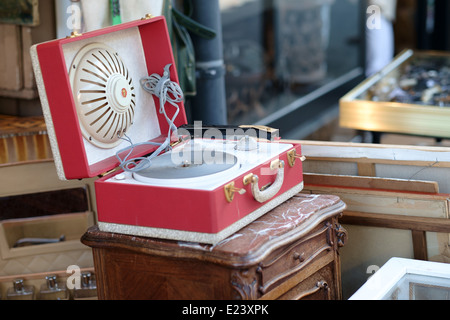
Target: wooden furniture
{"type": "Point", "coordinates": [419, 226]}
{"type": "Point", "coordinates": [18, 31]}
{"type": "Point", "coordinates": [289, 253]}
{"type": "Point", "coordinates": [23, 139]}
{"type": "Point", "coordinates": [388, 203]}
{"type": "Point", "coordinates": [404, 183]}
{"type": "Point", "coordinates": [40, 232]}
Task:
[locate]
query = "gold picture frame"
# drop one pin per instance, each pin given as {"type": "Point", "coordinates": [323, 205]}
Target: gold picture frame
{"type": "Point", "coordinates": [359, 113]}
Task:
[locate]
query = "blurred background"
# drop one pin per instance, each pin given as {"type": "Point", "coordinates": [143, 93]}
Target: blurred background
{"type": "Point", "coordinates": [286, 62]}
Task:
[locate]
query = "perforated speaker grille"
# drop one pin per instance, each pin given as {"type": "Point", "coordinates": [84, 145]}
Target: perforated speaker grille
{"type": "Point", "coordinates": [104, 94]}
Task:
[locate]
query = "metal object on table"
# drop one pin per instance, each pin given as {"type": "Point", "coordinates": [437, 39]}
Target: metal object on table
{"type": "Point", "coordinates": [409, 96]}
{"type": "Point", "coordinates": [23, 242]}
{"type": "Point", "coordinates": [53, 290]}
{"type": "Point", "coordinates": [88, 288]}
{"type": "Point", "coordinates": [20, 291]}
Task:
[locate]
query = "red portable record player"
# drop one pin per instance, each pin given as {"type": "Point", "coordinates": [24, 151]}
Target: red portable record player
{"type": "Point", "coordinates": [101, 116]}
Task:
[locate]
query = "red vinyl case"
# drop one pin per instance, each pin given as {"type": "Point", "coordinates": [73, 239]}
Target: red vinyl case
{"type": "Point", "coordinates": [90, 92]}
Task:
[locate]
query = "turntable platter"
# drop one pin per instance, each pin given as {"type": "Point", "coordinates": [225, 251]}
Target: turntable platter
{"type": "Point", "coordinates": [189, 165]}
{"type": "Point", "coordinates": [203, 164]}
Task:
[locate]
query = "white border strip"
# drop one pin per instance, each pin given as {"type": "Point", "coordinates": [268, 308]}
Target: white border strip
{"type": "Point", "coordinates": [395, 269]}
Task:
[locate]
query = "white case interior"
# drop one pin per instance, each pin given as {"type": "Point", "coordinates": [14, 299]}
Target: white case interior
{"type": "Point", "coordinates": [127, 43]}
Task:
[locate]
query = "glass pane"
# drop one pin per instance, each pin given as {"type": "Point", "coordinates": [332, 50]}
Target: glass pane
{"type": "Point", "coordinates": [278, 51]}
{"type": "Point", "coordinates": [420, 287]}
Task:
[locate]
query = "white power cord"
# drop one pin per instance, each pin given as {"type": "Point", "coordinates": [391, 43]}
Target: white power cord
{"type": "Point", "coordinates": [166, 91]}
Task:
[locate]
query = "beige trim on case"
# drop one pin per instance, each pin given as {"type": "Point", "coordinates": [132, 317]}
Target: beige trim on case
{"type": "Point", "coordinates": [47, 114]}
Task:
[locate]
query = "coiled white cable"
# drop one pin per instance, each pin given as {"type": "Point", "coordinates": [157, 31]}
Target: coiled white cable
{"type": "Point", "coordinates": [166, 91]}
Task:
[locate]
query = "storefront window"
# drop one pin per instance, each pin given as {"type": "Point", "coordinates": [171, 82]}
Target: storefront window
{"type": "Point", "coordinates": [280, 54]}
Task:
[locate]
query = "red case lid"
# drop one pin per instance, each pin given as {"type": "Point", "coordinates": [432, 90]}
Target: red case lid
{"type": "Point", "coordinates": [143, 48]}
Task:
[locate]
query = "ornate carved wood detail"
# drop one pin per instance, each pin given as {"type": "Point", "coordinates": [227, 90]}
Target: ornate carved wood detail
{"type": "Point", "coordinates": [245, 283]}
{"type": "Point", "coordinates": [330, 235]}
{"type": "Point", "coordinates": [341, 235]}
{"type": "Point", "coordinates": [337, 235]}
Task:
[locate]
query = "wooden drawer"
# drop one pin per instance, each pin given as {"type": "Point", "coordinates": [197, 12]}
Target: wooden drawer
{"type": "Point", "coordinates": [287, 261]}
{"type": "Point", "coordinates": [319, 286]}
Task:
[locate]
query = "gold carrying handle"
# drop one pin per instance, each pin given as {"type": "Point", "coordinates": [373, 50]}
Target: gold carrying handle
{"type": "Point", "coordinates": [267, 193]}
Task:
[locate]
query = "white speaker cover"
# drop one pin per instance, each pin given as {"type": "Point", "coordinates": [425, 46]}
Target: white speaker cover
{"type": "Point", "coordinates": [103, 93]}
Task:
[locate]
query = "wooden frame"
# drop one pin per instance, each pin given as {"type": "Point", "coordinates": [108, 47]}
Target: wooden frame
{"type": "Point", "coordinates": [418, 226]}
{"type": "Point", "coordinates": [406, 172]}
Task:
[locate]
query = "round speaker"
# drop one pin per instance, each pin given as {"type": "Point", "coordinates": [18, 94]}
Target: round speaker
{"type": "Point", "coordinates": [103, 93]}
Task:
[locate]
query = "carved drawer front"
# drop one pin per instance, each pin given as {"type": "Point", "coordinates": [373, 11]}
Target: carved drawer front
{"type": "Point", "coordinates": [319, 286]}
{"type": "Point", "coordinates": [287, 261]}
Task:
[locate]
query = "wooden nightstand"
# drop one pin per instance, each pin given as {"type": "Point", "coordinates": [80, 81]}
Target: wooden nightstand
{"type": "Point", "coordinates": [289, 253]}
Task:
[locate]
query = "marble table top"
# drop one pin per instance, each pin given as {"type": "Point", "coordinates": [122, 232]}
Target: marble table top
{"type": "Point", "coordinates": [292, 219]}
